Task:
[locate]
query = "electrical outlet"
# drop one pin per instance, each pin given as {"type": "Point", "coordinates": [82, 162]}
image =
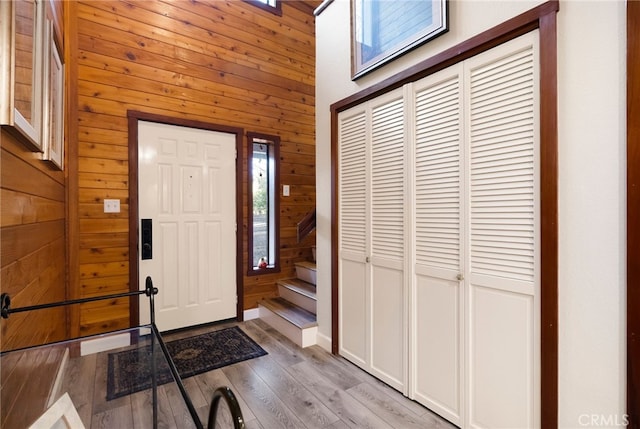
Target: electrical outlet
{"type": "Point", "coordinates": [111, 206]}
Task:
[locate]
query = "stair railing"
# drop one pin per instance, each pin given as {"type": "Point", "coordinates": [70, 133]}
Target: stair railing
{"type": "Point", "coordinates": [306, 225]}
{"type": "Point", "coordinates": [150, 291]}
{"type": "Point", "coordinates": [234, 407]}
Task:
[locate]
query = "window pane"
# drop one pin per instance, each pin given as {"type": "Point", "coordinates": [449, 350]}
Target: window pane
{"type": "Point", "coordinates": [264, 209]}
{"type": "Point", "coordinates": [260, 203]}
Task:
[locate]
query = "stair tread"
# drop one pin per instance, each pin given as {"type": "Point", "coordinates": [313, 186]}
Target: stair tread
{"type": "Point", "coordinates": [291, 312]}
{"type": "Point", "coordinates": [307, 264]}
{"type": "Point", "coordinates": [300, 286]}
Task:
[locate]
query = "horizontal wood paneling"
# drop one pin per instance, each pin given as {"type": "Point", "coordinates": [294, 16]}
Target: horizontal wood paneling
{"type": "Point", "coordinates": [32, 249]}
{"type": "Point", "coordinates": [220, 62]}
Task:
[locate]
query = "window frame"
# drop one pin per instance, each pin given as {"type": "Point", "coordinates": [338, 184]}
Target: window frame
{"type": "Point", "coordinates": [276, 10]}
{"type": "Point", "coordinates": [274, 143]}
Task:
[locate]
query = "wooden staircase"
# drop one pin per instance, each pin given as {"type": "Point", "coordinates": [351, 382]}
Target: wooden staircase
{"type": "Point", "coordinates": [293, 312]}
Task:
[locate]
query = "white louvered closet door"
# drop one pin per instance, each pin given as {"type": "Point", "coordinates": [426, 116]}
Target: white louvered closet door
{"type": "Point", "coordinates": [353, 275]}
{"type": "Point", "coordinates": [442, 180]}
{"type": "Point", "coordinates": [388, 322]}
{"type": "Point", "coordinates": [503, 309]}
{"type": "Point", "coordinates": [372, 287]}
{"type": "Point", "coordinates": [437, 296]}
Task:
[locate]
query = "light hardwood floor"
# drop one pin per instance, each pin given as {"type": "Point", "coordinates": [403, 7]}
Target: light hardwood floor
{"type": "Point", "coordinates": [289, 387]}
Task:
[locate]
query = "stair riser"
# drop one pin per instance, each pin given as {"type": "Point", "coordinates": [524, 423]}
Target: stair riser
{"type": "Point", "coordinates": [300, 300]}
{"type": "Point", "coordinates": [302, 337]}
{"type": "Point", "coordinates": [304, 273]}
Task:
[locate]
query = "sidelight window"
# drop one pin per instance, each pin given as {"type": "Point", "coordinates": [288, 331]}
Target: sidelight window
{"type": "Point", "coordinates": [263, 219]}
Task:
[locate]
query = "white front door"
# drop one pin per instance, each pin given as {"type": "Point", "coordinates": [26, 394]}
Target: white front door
{"type": "Point", "coordinates": [186, 187]}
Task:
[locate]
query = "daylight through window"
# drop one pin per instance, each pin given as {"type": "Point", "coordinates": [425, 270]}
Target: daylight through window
{"type": "Point", "coordinates": [264, 208]}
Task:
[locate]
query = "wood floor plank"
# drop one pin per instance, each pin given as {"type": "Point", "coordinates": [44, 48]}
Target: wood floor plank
{"type": "Point", "coordinates": [338, 425]}
{"type": "Point", "coordinates": [79, 370]}
{"type": "Point", "coordinates": [178, 406]}
{"type": "Point", "coordinates": [278, 346]}
{"type": "Point", "coordinates": [141, 403]}
{"type": "Point", "coordinates": [118, 417]}
{"type": "Point", "coordinates": [303, 403]}
{"type": "Point", "coordinates": [392, 411]}
{"type": "Point", "coordinates": [100, 402]}
{"type": "Point", "coordinates": [289, 387]}
{"type": "Point", "coordinates": [254, 424]}
{"type": "Point", "coordinates": [210, 381]}
{"type": "Point", "coordinates": [263, 402]}
{"type": "Point", "coordinates": [351, 411]}
{"type": "Point", "coordinates": [337, 372]}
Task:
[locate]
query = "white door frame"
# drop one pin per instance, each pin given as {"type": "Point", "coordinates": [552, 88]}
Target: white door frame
{"type": "Point", "coordinates": [134, 222]}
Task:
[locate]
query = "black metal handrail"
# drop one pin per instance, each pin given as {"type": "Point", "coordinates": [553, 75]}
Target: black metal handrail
{"type": "Point", "coordinates": [232, 402]}
{"type": "Point", "coordinates": [150, 291]}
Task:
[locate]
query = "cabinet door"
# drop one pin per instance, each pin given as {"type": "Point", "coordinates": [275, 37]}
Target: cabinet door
{"type": "Point", "coordinates": [21, 67]}
{"type": "Point", "coordinates": [438, 218]}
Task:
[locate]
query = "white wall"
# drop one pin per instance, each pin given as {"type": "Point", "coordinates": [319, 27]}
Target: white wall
{"type": "Point", "coordinates": [592, 208]}
{"type": "Point", "coordinates": [592, 233]}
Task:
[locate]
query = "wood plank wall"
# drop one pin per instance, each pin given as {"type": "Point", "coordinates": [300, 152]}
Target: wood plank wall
{"type": "Point", "coordinates": [32, 262]}
{"type": "Point", "coordinates": [221, 62]}
{"type": "Point", "coordinates": [33, 267]}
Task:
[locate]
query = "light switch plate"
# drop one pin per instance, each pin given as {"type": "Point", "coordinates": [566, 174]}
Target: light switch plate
{"type": "Point", "coordinates": [111, 206]}
{"type": "Point", "coordinates": [285, 190]}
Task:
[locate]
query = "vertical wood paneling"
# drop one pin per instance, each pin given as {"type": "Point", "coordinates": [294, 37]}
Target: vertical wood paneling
{"type": "Point", "coordinates": [219, 62]}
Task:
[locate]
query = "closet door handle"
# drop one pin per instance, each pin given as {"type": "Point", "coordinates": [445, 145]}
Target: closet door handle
{"type": "Point", "coordinates": [367, 260]}
{"type": "Point", "coordinates": [460, 277]}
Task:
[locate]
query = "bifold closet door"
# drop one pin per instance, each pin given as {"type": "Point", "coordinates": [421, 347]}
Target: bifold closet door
{"type": "Point", "coordinates": [503, 268]}
{"type": "Point", "coordinates": [438, 249]}
{"type": "Point", "coordinates": [373, 289]}
{"type": "Point", "coordinates": [353, 244]}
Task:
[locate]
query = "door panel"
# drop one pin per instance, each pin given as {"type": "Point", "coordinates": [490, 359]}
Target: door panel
{"type": "Point", "coordinates": [388, 360]}
{"type": "Point", "coordinates": [183, 178]}
{"type": "Point", "coordinates": [372, 285]}
{"type": "Point", "coordinates": [503, 340]}
{"type": "Point", "coordinates": [353, 239]}
{"type": "Point", "coordinates": [501, 356]}
{"type": "Point", "coordinates": [388, 335]}
{"type": "Point", "coordinates": [439, 247]}
{"type": "Point", "coordinates": [353, 310]}
{"type": "Point", "coordinates": [438, 326]}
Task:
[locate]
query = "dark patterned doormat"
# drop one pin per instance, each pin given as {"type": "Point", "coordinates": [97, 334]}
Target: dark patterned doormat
{"type": "Point", "coordinates": [129, 371]}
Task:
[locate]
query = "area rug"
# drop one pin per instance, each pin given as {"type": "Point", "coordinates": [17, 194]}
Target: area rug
{"type": "Point", "coordinates": [129, 371]}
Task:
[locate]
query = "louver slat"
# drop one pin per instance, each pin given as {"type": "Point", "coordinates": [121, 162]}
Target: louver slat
{"type": "Point", "coordinates": [437, 176]}
{"type": "Point", "coordinates": [353, 184]}
{"type": "Point", "coordinates": [387, 180]}
{"type": "Point", "coordinates": [502, 168]}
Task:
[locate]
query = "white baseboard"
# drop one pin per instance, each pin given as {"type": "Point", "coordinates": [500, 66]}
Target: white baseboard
{"type": "Point", "coordinates": [324, 341]}
{"type": "Point", "coordinates": [105, 343]}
